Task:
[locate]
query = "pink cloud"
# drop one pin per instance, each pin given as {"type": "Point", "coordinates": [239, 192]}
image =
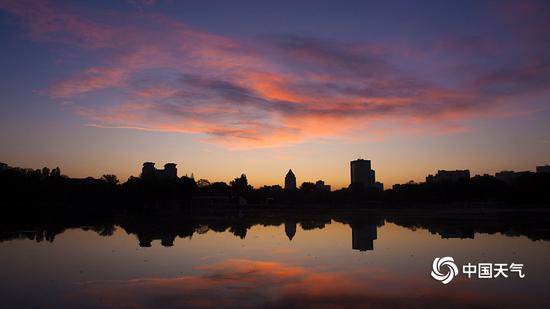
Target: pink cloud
{"type": "Point", "coordinates": [89, 80]}
{"type": "Point", "coordinates": [161, 75]}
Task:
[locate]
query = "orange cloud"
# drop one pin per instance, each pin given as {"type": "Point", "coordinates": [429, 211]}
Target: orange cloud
{"type": "Point", "coordinates": [156, 73]}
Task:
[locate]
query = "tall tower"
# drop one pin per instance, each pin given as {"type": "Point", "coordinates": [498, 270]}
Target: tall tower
{"type": "Point", "coordinates": [290, 181]}
{"type": "Point", "coordinates": [362, 173]}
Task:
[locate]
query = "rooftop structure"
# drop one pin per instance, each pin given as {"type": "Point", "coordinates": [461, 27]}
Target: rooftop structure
{"type": "Point", "coordinates": [290, 181]}
{"type": "Point", "coordinates": [149, 171]}
{"type": "Point", "coordinates": [444, 176]}
{"type": "Point", "coordinates": [510, 176]}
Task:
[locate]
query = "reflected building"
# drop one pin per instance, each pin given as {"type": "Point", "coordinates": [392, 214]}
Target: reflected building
{"type": "Point", "coordinates": [149, 171]}
{"type": "Point", "coordinates": [290, 181]}
{"type": "Point", "coordinates": [290, 229]}
{"type": "Point", "coordinates": [168, 240]}
{"type": "Point", "coordinates": [363, 236]}
{"type": "Point", "coordinates": [144, 241]}
{"type": "Point", "coordinates": [461, 233]}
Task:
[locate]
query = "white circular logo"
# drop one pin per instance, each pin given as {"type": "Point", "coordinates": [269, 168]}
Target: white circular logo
{"type": "Point", "coordinates": [444, 262]}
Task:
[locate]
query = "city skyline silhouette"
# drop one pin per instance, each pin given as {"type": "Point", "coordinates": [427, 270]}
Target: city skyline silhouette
{"type": "Point", "coordinates": [289, 180]}
{"type": "Point", "coordinates": [101, 87]}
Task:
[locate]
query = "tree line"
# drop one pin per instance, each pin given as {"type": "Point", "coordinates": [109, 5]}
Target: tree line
{"type": "Point", "coordinates": [20, 185]}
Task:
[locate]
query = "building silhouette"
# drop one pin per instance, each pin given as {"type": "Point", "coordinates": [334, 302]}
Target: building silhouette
{"type": "Point", "coordinates": [149, 171]}
{"type": "Point", "coordinates": [510, 176]}
{"type": "Point", "coordinates": [543, 169]}
{"type": "Point", "coordinates": [444, 176]}
{"type": "Point", "coordinates": [363, 175]}
{"type": "Point", "coordinates": [290, 181]}
{"type": "Point", "coordinates": [321, 186]}
{"type": "Point", "coordinates": [3, 167]}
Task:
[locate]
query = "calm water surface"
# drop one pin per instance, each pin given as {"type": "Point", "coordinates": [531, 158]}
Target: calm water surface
{"type": "Point", "coordinates": [370, 265]}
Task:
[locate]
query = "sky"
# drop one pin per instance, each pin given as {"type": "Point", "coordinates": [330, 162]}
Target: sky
{"type": "Point", "coordinates": [259, 87]}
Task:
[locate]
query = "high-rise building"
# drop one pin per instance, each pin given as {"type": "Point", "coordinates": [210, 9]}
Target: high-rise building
{"type": "Point", "coordinates": [290, 181]}
{"type": "Point", "coordinates": [362, 173]}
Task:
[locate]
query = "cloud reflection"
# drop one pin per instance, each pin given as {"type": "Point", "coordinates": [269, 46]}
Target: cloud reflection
{"type": "Point", "coordinates": [249, 283]}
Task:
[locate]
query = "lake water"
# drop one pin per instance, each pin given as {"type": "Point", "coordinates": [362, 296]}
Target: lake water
{"type": "Point", "coordinates": [293, 264]}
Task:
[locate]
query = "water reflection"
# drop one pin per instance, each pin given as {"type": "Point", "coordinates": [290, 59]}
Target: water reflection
{"type": "Point", "coordinates": [363, 236]}
{"type": "Point", "coordinates": [275, 259]}
{"type": "Point", "coordinates": [363, 224]}
{"type": "Point", "coordinates": [290, 229]}
{"type": "Point", "coordinates": [250, 283]}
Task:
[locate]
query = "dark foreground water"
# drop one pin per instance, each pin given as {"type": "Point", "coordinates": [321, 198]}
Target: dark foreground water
{"type": "Point", "coordinates": [297, 263]}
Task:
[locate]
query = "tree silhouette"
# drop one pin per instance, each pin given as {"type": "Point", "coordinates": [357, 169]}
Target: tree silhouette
{"type": "Point", "coordinates": [307, 187]}
{"type": "Point", "coordinates": [110, 179]}
{"type": "Point", "coordinates": [240, 185]}
{"type": "Point", "coordinates": [201, 183]}
{"type": "Point", "coordinates": [56, 172]}
{"type": "Point", "coordinates": [45, 172]}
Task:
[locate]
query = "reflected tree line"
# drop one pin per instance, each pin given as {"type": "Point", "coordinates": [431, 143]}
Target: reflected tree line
{"type": "Point", "coordinates": [363, 224]}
